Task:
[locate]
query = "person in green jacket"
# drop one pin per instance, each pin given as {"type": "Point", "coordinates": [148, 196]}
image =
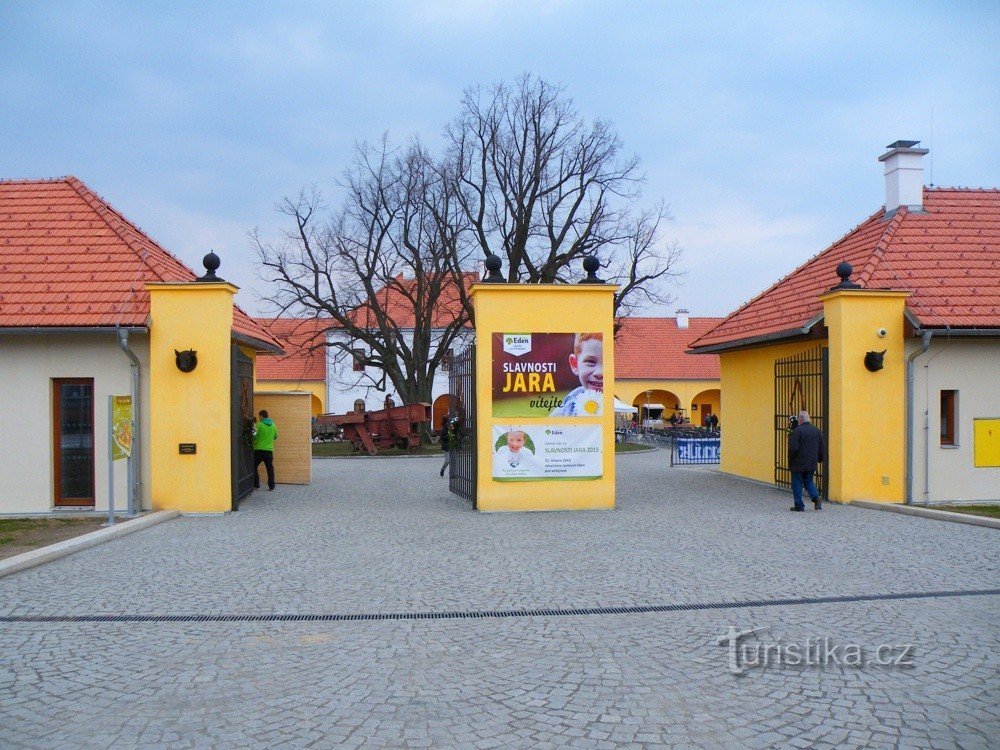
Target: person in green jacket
{"type": "Point", "coordinates": [265, 432]}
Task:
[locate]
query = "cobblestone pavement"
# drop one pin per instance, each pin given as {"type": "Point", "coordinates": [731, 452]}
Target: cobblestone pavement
{"type": "Point", "coordinates": [374, 536]}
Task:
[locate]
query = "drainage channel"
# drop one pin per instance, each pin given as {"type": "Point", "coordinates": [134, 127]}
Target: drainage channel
{"type": "Point", "coordinates": [501, 613]}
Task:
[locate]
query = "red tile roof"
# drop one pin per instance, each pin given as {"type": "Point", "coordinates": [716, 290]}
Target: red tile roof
{"type": "Point", "coordinates": [948, 256]}
{"type": "Point", "coordinates": [70, 259]}
{"type": "Point", "coordinates": [395, 301]}
{"type": "Point", "coordinates": [302, 340]}
{"type": "Point", "coordinates": [653, 348]}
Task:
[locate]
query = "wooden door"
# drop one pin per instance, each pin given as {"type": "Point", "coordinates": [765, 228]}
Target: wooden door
{"type": "Point", "coordinates": [73, 440]}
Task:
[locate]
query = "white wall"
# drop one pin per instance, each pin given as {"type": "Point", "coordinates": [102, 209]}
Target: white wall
{"type": "Point", "coordinates": [344, 385]}
{"type": "Point", "coordinates": [28, 363]}
{"type": "Point", "coordinates": [971, 367]}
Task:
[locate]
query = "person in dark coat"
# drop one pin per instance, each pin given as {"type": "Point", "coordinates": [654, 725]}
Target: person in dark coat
{"type": "Point", "coordinates": [805, 451]}
{"type": "Point", "coordinates": [449, 438]}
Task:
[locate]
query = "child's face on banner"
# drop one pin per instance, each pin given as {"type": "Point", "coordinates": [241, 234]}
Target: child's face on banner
{"type": "Point", "coordinates": [589, 364]}
{"type": "Point", "coordinates": [515, 441]}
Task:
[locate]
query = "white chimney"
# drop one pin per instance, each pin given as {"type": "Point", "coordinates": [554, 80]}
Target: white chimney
{"type": "Point", "coordinates": [904, 176]}
{"type": "Point", "coordinates": [682, 318]}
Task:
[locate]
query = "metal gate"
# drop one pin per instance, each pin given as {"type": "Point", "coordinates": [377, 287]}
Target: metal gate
{"type": "Point", "coordinates": [242, 425]}
{"type": "Point", "coordinates": [800, 383]}
{"type": "Point", "coordinates": [462, 403]}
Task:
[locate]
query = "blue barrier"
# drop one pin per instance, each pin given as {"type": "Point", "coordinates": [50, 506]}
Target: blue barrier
{"type": "Point", "coordinates": [696, 451]}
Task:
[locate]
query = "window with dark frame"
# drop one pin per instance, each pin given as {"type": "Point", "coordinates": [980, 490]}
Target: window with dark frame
{"type": "Point", "coordinates": [949, 408]}
{"type": "Point", "coordinates": [359, 360]}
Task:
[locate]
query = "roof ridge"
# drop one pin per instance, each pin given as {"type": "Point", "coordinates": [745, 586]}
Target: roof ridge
{"type": "Point", "coordinates": [107, 212]}
{"type": "Point", "coordinates": [959, 189]}
{"type": "Point", "coordinates": [881, 246]}
{"type": "Point", "coordinates": [126, 230]}
{"type": "Point", "coordinates": [35, 180]}
{"type": "Point", "coordinates": [794, 271]}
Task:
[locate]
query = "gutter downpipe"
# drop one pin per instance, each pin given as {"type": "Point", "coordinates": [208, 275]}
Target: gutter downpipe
{"type": "Point", "coordinates": [134, 463]}
{"type": "Point", "coordinates": [910, 368]}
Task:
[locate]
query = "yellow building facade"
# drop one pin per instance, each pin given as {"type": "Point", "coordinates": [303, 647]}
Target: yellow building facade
{"type": "Point", "coordinates": [897, 361]}
{"type": "Point", "coordinates": [542, 309]}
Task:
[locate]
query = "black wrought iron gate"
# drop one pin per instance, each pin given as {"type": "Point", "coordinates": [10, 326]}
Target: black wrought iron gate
{"type": "Point", "coordinates": [462, 404]}
{"type": "Point", "coordinates": [801, 384]}
{"type": "Point", "coordinates": [242, 425]}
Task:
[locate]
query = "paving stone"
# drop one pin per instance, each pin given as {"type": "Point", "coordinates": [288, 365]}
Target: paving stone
{"type": "Point", "coordinates": [385, 536]}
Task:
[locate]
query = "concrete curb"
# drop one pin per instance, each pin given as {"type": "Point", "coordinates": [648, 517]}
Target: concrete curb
{"type": "Point", "coordinates": [85, 541]}
{"type": "Point", "coordinates": [646, 449]}
{"type": "Point", "coordinates": [939, 515]}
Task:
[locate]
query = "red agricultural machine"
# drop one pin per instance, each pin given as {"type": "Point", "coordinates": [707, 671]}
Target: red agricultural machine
{"type": "Point", "coordinates": [395, 427]}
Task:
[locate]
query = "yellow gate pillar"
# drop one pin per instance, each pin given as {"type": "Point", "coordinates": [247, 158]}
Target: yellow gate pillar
{"type": "Point", "coordinates": [867, 420]}
{"type": "Point", "coordinates": [189, 412]}
{"type": "Point", "coordinates": [544, 396]}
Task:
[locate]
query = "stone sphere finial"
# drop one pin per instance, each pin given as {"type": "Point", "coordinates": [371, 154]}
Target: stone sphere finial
{"type": "Point", "coordinates": [844, 271]}
{"type": "Point", "coordinates": [591, 265]}
{"type": "Point", "coordinates": [211, 262]}
{"type": "Point", "coordinates": [493, 266]}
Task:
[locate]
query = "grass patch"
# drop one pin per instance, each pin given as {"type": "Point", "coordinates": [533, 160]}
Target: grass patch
{"type": "Point", "coordinates": [631, 447]}
{"type": "Point", "coordinates": [19, 535]}
{"type": "Point", "coordinates": [345, 448]}
{"type": "Point", "coordinates": [987, 511]}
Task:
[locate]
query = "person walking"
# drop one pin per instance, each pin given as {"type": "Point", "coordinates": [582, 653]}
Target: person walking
{"type": "Point", "coordinates": [265, 432]}
{"type": "Point", "coordinates": [805, 451]}
{"type": "Point", "coordinates": [449, 439]}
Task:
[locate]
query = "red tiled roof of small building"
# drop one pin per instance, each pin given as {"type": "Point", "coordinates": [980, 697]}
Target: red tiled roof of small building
{"type": "Point", "coordinates": [395, 302]}
{"type": "Point", "coordinates": [70, 259]}
{"type": "Point", "coordinates": [302, 339]}
{"type": "Point", "coordinates": [653, 348]}
{"type": "Point", "coordinates": [947, 256]}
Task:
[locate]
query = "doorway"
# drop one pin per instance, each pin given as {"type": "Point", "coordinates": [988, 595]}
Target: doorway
{"type": "Point", "coordinates": [73, 441]}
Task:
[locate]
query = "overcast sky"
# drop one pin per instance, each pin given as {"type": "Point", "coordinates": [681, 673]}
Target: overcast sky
{"type": "Point", "coordinates": [759, 124]}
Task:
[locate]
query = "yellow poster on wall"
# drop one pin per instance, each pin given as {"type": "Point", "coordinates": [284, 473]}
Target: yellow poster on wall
{"type": "Point", "coordinates": [121, 427]}
{"type": "Point", "coordinates": [986, 440]}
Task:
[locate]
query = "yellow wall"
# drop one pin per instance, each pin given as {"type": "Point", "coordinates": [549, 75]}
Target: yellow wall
{"type": "Point", "coordinates": [542, 308]}
{"type": "Point", "coordinates": [293, 448]}
{"type": "Point", "coordinates": [710, 396]}
{"type": "Point", "coordinates": [866, 425]}
{"type": "Point", "coordinates": [191, 407]}
{"type": "Point", "coordinates": [867, 409]}
{"type": "Point", "coordinates": [317, 388]}
{"type": "Point", "coordinates": [633, 392]}
{"type": "Point", "coordinates": [748, 403]}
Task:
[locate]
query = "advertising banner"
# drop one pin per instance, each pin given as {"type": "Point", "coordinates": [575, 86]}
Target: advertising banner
{"type": "Point", "coordinates": [696, 451]}
{"type": "Point", "coordinates": [547, 452]}
{"type": "Point", "coordinates": [121, 427]}
{"type": "Point", "coordinates": [548, 374]}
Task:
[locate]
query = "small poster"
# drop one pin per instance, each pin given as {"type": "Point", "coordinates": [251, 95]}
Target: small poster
{"type": "Point", "coordinates": [548, 374]}
{"type": "Point", "coordinates": [121, 427]}
{"type": "Point", "coordinates": [547, 452]}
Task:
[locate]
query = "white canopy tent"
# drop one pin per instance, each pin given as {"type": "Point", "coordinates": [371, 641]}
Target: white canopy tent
{"type": "Point", "coordinates": [622, 408]}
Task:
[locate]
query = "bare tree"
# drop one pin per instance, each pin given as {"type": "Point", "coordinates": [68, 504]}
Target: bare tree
{"type": "Point", "coordinates": [523, 177]}
{"type": "Point", "coordinates": [541, 188]}
{"type": "Point", "coordinates": [381, 269]}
